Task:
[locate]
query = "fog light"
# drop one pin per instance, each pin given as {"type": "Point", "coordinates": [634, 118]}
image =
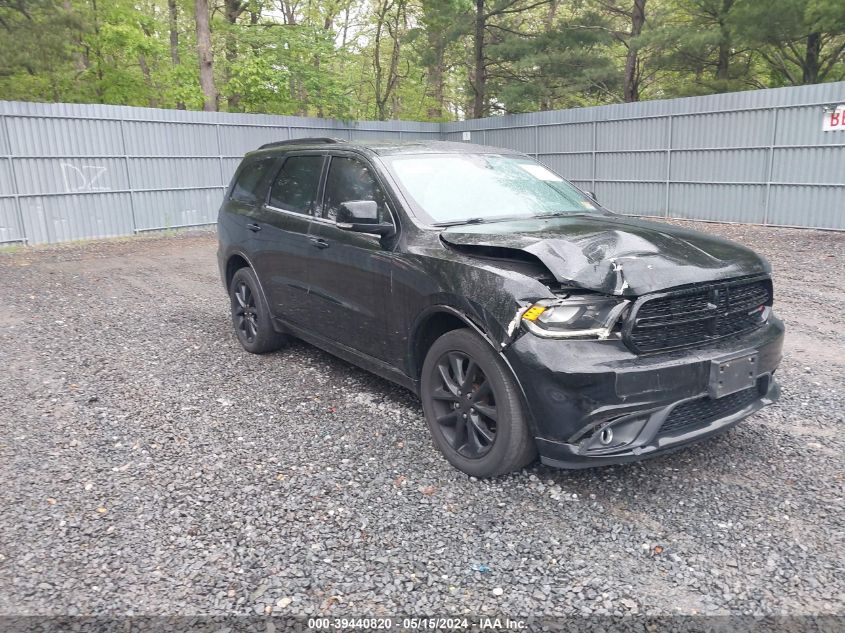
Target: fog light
{"type": "Point", "coordinates": [606, 436]}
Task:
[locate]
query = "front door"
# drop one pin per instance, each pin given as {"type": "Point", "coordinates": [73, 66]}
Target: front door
{"type": "Point", "coordinates": [351, 276]}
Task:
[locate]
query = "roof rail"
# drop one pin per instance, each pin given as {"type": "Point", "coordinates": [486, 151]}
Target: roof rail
{"type": "Point", "coordinates": [304, 141]}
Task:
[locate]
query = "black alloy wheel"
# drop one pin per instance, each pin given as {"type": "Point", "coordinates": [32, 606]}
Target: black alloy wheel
{"type": "Point", "coordinates": [473, 406]}
{"type": "Point", "coordinates": [246, 315]}
{"type": "Point", "coordinates": [250, 315]}
{"type": "Point", "coordinates": [465, 406]}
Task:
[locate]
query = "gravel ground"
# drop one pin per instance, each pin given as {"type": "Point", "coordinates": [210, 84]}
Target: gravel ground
{"type": "Point", "coordinates": [150, 466]}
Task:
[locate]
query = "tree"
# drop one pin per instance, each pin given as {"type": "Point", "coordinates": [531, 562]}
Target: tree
{"type": "Point", "coordinates": [204, 53]}
{"type": "Point", "coordinates": [567, 64]}
{"type": "Point", "coordinates": [416, 59]}
{"type": "Point", "coordinates": [232, 10]}
{"type": "Point", "coordinates": [634, 13]}
{"type": "Point", "coordinates": [701, 49]}
{"type": "Point", "coordinates": [391, 22]}
{"type": "Point", "coordinates": [801, 41]}
{"type": "Point", "coordinates": [441, 25]}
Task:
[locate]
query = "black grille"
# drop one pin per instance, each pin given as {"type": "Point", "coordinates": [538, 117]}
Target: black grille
{"type": "Point", "coordinates": [705, 410]}
{"type": "Point", "coordinates": [698, 315]}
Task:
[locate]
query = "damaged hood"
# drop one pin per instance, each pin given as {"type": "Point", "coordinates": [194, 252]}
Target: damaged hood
{"type": "Point", "coordinates": [612, 254]}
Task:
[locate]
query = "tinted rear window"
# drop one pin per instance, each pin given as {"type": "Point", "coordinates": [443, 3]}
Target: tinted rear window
{"type": "Point", "coordinates": [249, 181]}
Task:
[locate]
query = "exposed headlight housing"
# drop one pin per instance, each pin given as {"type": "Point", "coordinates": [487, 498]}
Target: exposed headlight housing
{"type": "Point", "coordinates": [575, 316]}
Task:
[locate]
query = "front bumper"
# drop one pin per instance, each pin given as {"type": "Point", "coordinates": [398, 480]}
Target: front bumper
{"type": "Point", "coordinates": [574, 390]}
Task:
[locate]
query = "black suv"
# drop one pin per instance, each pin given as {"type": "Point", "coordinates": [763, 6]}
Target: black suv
{"type": "Point", "coordinates": [527, 318]}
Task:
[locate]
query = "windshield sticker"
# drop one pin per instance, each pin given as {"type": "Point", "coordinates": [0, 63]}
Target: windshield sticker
{"type": "Point", "coordinates": [540, 172]}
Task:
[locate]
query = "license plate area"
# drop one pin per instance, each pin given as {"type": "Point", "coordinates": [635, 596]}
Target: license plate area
{"type": "Point", "coordinates": [729, 375]}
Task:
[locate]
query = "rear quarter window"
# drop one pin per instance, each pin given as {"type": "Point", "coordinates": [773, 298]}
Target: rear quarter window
{"type": "Point", "coordinates": [248, 185]}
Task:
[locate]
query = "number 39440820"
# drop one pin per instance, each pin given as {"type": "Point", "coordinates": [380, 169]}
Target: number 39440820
{"type": "Point", "coordinates": [834, 119]}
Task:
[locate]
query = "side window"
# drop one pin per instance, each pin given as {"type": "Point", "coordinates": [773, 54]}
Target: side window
{"type": "Point", "coordinates": [295, 186]}
{"type": "Point", "coordinates": [350, 179]}
{"type": "Point", "coordinates": [249, 180]}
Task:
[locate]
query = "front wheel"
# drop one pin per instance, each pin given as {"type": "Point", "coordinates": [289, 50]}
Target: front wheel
{"type": "Point", "coordinates": [473, 407]}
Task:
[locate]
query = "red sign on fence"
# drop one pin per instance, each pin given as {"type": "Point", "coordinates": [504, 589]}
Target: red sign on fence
{"type": "Point", "coordinates": [834, 119]}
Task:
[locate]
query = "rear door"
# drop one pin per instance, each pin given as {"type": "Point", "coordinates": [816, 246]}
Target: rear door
{"type": "Point", "coordinates": [350, 276]}
{"type": "Point", "coordinates": [286, 250]}
{"type": "Point", "coordinates": [246, 195]}
{"type": "Point", "coordinates": [240, 210]}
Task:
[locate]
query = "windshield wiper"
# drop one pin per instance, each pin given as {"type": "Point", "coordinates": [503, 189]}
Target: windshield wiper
{"type": "Point", "coordinates": [459, 222]}
{"type": "Point", "coordinates": [561, 214]}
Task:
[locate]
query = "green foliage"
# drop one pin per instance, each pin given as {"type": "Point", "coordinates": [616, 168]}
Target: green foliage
{"type": "Point", "coordinates": [412, 59]}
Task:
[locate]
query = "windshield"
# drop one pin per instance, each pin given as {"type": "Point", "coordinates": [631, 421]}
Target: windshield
{"type": "Point", "coordinates": [476, 187]}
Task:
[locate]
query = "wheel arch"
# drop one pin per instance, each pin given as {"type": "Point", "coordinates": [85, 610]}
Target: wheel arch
{"type": "Point", "coordinates": [234, 262]}
{"type": "Point", "coordinates": [436, 321]}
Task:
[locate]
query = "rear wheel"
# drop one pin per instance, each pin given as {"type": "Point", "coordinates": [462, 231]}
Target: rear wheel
{"type": "Point", "coordinates": [473, 407]}
{"type": "Point", "coordinates": [251, 316]}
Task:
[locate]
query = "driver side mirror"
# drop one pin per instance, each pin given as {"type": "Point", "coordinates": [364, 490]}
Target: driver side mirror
{"type": "Point", "coordinates": [592, 195]}
{"type": "Point", "coordinates": [361, 216]}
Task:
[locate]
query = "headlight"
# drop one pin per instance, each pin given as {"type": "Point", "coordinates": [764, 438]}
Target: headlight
{"type": "Point", "coordinates": [576, 316]}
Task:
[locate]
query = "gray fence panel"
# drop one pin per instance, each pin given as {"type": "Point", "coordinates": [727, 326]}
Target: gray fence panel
{"type": "Point", "coordinates": [73, 171]}
{"type": "Point", "coordinates": [808, 205]}
{"type": "Point", "coordinates": [748, 128]}
{"type": "Point", "coordinates": [144, 138]}
{"type": "Point", "coordinates": [721, 165]}
{"type": "Point", "coordinates": [720, 203]}
{"type": "Point", "coordinates": [646, 166]}
{"type": "Point", "coordinates": [809, 165]}
{"type": "Point", "coordinates": [70, 175]}
{"type": "Point", "coordinates": [237, 140]}
{"type": "Point", "coordinates": [11, 230]}
{"type": "Point", "coordinates": [565, 138]}
{"type": "Point", "coordinates": [759, 156]}
{"type": "Point", "coordinates": [174, 208]}
{"type": "Point", "coordinates": [63, 137]}
{"type": "Point", "coordinates": [174, 173]}
{"type": "Point", "coordinates": [68, 217]}
{"type": "Point", "coordinates": [575, 166]}
{"type": "Point", "coordinates": [636, 198]}
{"type": "Point", "coordinates": [7, 180]}
{"type": "Point", "coordinates": [632, 134]}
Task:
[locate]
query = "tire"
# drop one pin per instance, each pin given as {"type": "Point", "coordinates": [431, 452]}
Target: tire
{"type": "Point", "coordinates": [473, 407]}
{"type": "Point", "coordinates": [251, 316]}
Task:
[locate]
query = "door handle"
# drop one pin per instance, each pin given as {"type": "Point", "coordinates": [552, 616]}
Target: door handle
{"type": "Point", "coordinates": [253, 227]}
{"type": "Point", "coordinates": [319, 242]}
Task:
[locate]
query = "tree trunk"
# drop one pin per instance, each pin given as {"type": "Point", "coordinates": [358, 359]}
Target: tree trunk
{"type": "Point", "coordinates": [435, 81]}
{"type": "Point", "coordinates": [173, 22]}
{"type": "Point", "coordinates": [631, 89]}
{"type": "Point", "coordinates": [724, 60]}
{"type": "Point", "coordinates": [479, 83]}
{"type": "Point", "coordinates": [173, 15]}
{"type": "Point", "coordinates": [549, 25]}
{"type": "Point", "coordinates": [98, 53]}
{"type": "Point", "coordinates": [395, 25]}
{"type": "Point", "coordinates": [204, 53]}
{"type": "Point", "coordinates": [233, 10]}
{"type": "Point", "coordinates": [145, 71]}
{"type": "Point", "coordinates": [812, 63]}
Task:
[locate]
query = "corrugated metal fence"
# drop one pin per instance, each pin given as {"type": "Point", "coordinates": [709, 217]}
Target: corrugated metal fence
{"type": "Point", "coordinates": [756, 157]}
{"type": "Point", "coordinates": [72, 172]}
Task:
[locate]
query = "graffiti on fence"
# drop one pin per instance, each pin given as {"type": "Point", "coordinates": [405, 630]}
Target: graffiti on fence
{"type": "Point", "coordinates": [84, 178]}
